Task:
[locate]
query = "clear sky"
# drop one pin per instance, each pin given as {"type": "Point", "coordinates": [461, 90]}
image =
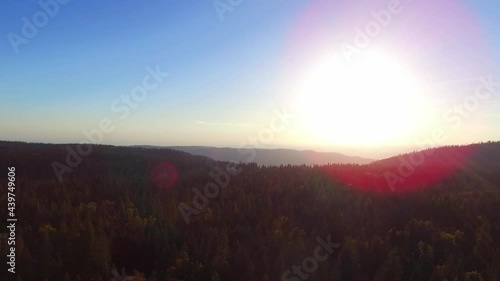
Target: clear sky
{"type": "Point", "coordinates": [231, 64]}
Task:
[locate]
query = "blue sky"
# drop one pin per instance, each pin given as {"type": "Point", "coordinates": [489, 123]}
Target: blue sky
{"type": "Point", "coordinates": [225, 76]}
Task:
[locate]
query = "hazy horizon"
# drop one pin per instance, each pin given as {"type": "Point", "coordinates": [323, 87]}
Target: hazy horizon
{"type": "Point", "coordinates": [376, 153]}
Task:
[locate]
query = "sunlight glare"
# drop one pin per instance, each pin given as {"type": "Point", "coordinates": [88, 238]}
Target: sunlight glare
{"type": "Point", "coordinates": [371, 100]}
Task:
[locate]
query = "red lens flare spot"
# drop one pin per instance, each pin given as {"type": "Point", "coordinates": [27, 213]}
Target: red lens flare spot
{"type": "Point", "coordinates": [164, 175]}
{"type": "Point", "coordinates": [404, 173]}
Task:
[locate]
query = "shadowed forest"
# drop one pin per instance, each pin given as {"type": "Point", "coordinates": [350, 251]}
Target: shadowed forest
{"type": "Point", "coordinates": [126, 208]}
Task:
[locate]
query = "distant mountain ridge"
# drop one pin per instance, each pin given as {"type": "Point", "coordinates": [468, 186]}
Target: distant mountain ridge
{"type": "Point", "coordinates": [271, 157]}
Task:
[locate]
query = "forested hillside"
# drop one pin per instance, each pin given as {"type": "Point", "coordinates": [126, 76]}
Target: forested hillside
{"type": "Point", "coordinates": [135, 208]}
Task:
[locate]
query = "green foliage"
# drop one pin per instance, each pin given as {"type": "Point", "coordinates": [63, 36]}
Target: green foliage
{"type": "Point", "coordinates": [473, 276]}
{"type": "Point", "coordinates": [110, 211]}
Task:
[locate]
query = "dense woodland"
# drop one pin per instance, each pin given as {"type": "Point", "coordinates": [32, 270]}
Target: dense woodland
{"type": "Point", "coordinates": [119, 209]}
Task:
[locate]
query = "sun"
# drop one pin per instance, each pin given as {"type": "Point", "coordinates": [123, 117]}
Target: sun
{"type": "Point", "coordinates": [372, 100]}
